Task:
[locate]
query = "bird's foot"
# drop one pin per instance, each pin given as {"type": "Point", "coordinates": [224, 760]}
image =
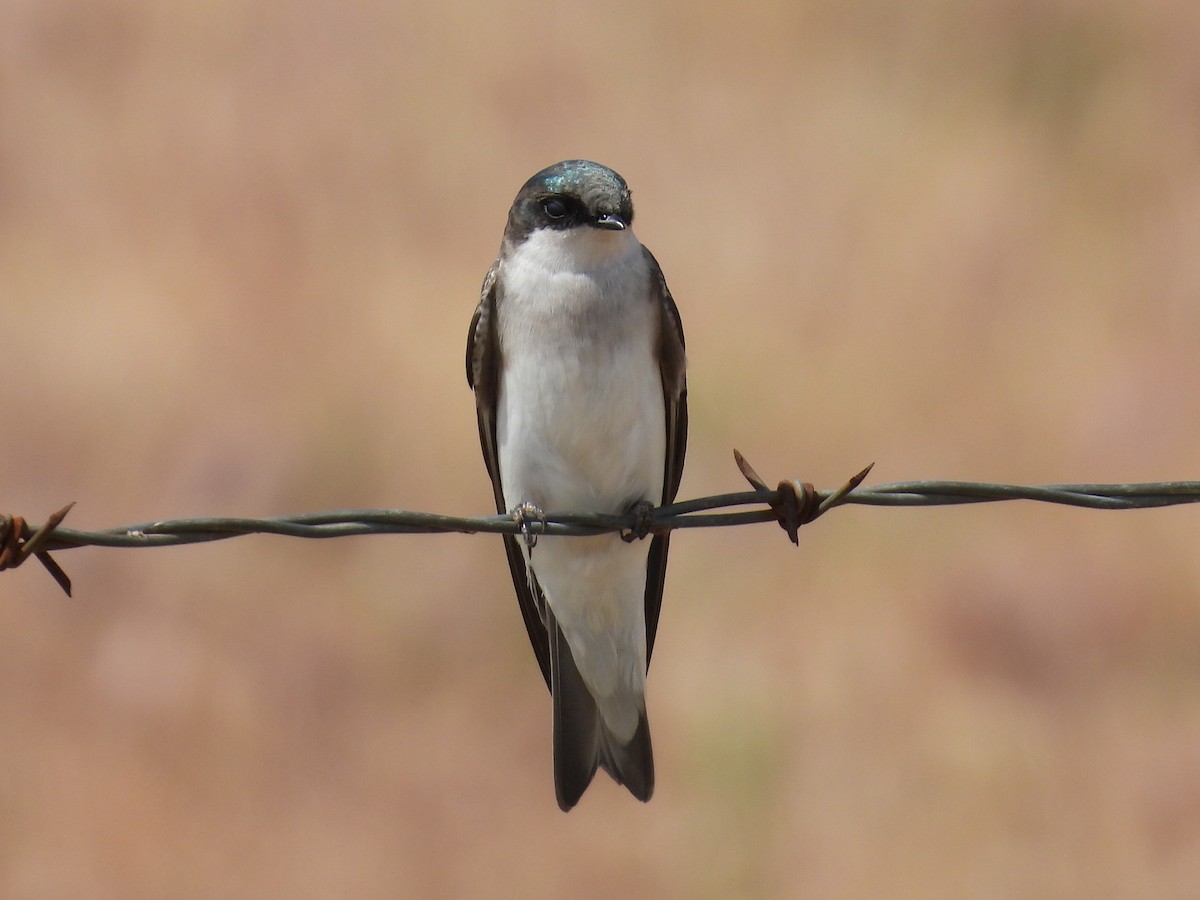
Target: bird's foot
{"type": "Point", "coordinates": [525, 515]}
{"type": "Point", "coordinates": [643, 521]}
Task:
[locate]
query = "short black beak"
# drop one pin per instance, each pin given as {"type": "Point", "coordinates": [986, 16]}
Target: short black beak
{"type": "Point", "coordinates": [610, 222]}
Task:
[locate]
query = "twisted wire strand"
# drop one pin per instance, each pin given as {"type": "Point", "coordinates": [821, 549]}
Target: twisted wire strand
{"type": "Point", "coordinates": [702, 512]}
{"type": "Point", "coordinates": [791, 505]}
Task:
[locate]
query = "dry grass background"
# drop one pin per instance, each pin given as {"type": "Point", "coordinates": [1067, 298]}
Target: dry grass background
{"type": "Point", "coordinates": [239, 247]}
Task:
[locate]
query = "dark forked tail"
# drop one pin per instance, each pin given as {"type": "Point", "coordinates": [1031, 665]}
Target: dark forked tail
{"type": "Point", "coordinates": [582, 742]}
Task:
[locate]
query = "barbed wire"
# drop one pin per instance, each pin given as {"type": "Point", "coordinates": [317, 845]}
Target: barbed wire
{"type": "Point", "coordinates": [791, 504]}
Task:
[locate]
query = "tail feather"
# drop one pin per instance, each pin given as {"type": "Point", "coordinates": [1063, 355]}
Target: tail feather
{"type": "Point", "coordinates": [631, 763]}
{"type": "Point", "coordinates": [582, 742]}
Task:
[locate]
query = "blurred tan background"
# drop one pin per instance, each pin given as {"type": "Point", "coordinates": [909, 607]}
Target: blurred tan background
{"type": "Point", "coordinates": [240, 244]}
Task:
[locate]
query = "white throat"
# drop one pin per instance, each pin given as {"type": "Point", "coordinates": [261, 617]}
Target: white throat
{"type": "Point", "coordinates": [578, 250]}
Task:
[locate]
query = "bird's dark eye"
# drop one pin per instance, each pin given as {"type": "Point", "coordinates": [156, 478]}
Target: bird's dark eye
{"type": "Point", "coordinates": [554, 208]}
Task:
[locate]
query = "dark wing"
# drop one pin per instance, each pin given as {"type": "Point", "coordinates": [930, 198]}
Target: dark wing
{"type": "Point", "coordinates": [483, 375]}
{"type": "Point", "coordinates": [673, 366]}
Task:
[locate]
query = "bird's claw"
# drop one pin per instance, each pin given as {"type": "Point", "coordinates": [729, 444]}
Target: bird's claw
{"type": "Point", "coordinates": [525, 515]}
{"type": "Point", "coordinates": [643, 521]}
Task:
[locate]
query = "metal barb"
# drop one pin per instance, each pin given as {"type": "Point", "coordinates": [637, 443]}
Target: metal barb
{"type": "Point", "coordinates": [748, 472]}
{"type": "Point", "coordinates": [18, 543]}
{"type": "Point", "coordinates": [797, 503]}
{"type": "Point", "coordinates": [839, 496]}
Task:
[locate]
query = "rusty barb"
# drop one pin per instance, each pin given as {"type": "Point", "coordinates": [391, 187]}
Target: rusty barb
{"type": "Point", "coordinates": [797, 503]}
{"type": "Point", "coordinates": [18, 543]}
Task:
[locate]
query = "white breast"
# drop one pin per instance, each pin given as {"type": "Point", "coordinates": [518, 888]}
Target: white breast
{"type": "Point", "coordinates": [580, 419]}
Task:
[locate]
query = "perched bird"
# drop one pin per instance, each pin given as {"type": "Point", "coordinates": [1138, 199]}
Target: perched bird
{"type": "Point", "coordinates": [576, 357]}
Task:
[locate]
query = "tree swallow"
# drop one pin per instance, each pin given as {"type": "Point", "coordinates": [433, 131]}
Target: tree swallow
{"type": "Point", "coordinates": [576, 357]}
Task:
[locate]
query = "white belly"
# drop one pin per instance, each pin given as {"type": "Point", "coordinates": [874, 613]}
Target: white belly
{"type": "Point", "coordinates": [581, 424]}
